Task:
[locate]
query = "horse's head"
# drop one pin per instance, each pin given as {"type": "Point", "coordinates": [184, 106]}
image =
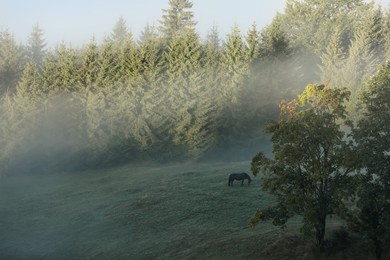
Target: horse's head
{"type": "Point", "coordinates": [248, 177]}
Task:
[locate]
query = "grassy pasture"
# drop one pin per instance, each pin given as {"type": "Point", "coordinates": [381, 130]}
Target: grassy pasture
{"type": "Point", "coordinates": [184, 211]}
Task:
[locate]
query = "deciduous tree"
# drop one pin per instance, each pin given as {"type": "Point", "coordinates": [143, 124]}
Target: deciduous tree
{"type": "Point", "coordinates": [309, 172]}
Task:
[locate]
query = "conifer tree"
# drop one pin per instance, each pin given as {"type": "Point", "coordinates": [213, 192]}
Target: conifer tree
{"type": "Point", "coordinates": [371, 217]}
{"type": "Point", "coordinates": [109, 72]}
{"type": "Point", "coordinates": [310, 23]}
{"type": "Point", "coordinates": [150, 49]}
{"type": "Point", "coordinates": [36, 47]}
{"type": "Point", "coordinates": [233, 64]}
{"type": "Point", "coordinates": [12, 60]}
{"type": "Point", "coordinates": [274, 42]}
{"type": "Point", "coordinates": [68, 65]}
{"type": "Point", "coordinates": [30, 83]}
{"type": "Point", "coordinates": [211, 62]}
{"type": "Point", "coordinates": [176, 19]}
{"type": "Point", "coordinates": [363, 58]}
{"type": "Point", "coordinates": [89, 65]}
{"type": "Point", "coordinates": [119, 34]}
{"type": "Point", "coordinates": [129, 63]}
{"type": "Point", "coordinates": [333, 61]}
{"type": "Point", "coordinates": [252, 42]}
{"type": "Point", "coordinates": [184, 74]}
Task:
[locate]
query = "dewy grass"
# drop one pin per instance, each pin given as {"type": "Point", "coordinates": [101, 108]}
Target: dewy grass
{"type": "Point", "coordinates": [170, 212]}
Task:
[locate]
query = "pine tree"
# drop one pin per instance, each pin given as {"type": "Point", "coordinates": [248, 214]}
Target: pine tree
{"type": "Point", "coordinates": [211, 60]}
{"type": "Point", "coordinates": [252, 42]}
{"type": "Point", "coordinates": [333, 61]}
{"type": "Point", "coordinates": [61, 70]}
{"type": "Point", "coordinates": [36, 46]}
{"type": "Point", "coordinates": [274, 42]}
{"type": "Point", "coordinates": [310, 23]}
{"type": "Point", "coordinates": [150, 49]}
{"type": "Point", "coordinates": [184, 73]}
{"type": "Point", "coordinates": [30, 84]}
{"type": "Point", "coordinates": [363, 59]}
{"type": "Point", "coordinates": [371, 217]}
{"type": "Point", "coordinates": [68, 65]}
{"type": "Point", "coordinates": [234, 64]}
{"type": "Point", "coordinates": [12, 60]}
{"type": "Point", "coordinates": [149, 33]}
{"type": "Point", "coordinates": [129, 63]}
{"type": "Point", "coordinates": [120, 34]}
{"type": "Point", "coordinates": [386, 32]}
{"type": "Point", "coordinates": [176, 19]}
{"type": "Point", "coordinates": [89, 65]}
{"type": "Point", "coordinates": [109, 72]}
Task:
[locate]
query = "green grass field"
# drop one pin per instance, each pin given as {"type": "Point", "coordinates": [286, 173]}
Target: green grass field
{"type": "Point", "coordinates": [181, 211]}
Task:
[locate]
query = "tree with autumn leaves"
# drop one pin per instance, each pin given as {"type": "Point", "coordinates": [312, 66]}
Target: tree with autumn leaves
{"type": "Point", "coordinates": [322, 162]}
{"type": "Point", "coordinates": [310, 170]}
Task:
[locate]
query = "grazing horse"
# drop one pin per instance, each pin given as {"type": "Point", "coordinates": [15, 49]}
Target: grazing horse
{"type": "Point", "coordinates": [239, 177]}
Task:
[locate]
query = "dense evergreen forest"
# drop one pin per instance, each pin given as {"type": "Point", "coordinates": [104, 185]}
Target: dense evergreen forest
{"type": "Point", "coordinates": [170, 95]}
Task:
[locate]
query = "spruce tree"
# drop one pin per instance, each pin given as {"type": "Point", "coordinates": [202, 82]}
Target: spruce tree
{"type": "Point", "coordinates": [176, 19]}
{"type": "Point", "coordinates": [252, 42]}
{"type": "Point", "coordinates": [12, 60]}
{"type": "Point", "coordinates": [36, 47]}
{"type": "Point", "coordinates": [333, 61]}
{"type": "Point", "coordinates": [234, 64]}
{"type": "Point", "coordinates": [119, 34]}
{"type": "Point", "coordinates": [371, 217]}
{"type": "Point", "coordinates": [30, 83]}
{"type": "Point", "coordinates": [109, 72]}
{"type": "Point", "coordinates": [129, 63]}
{"type": "Point", "coordinates": [89, 65]}
{"type": "Point", "coordinates": [310, 23]}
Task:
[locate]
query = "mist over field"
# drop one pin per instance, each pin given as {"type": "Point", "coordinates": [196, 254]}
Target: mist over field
{"type": "Point", "coordinates": [123, 148]}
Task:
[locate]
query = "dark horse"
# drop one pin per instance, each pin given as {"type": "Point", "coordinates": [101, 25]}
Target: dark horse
{"type": "Point", "coordinates": [239, 177]}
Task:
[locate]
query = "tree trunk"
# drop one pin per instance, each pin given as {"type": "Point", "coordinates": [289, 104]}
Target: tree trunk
{"type": "Point", "coordinates": [378, 249]}
{"type": "Point", "coordinates": [320, 232]}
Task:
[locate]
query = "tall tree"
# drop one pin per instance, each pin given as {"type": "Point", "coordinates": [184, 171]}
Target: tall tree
{"type": "Point", "coordinates": [120, 33]}
{"type": "Point", "coordinates": [109, 72]}
{"type": "Point", "coordinates": [30, 83]}
{"type": "Point", "coordinates": [176, 19]}
{"type": "Point", "coordinates": [150, 49]}
{"type": "Point", "coordinates": [309, 174]}
{"type": "Point", "coordinates": [148, 33]}
{"type": "Point", "coordinates": [371, 218]}
{"type": "Point", "coordinates": [36, 46]}
{"type": "Point", "coordinates": [274, 41]}
{"type": "Point", "coordinates": [89, 65]}
{"type": "Point", "coordinates": [130, 64]}
{"type": "Point", "coordinates": [184, 80]}
{"type": "Point", "coordinates": [333, 61]}
{"type": "Point", "coordinates": [366, 52]}
{"type": "Point", "coordinates": [12, 60]}
{"type": "Point", "coordinates": [310, 23]}
{"type": "Point", "coordinates": [234, 64]}
{"type": "Point", "coordinates": [253, 41]}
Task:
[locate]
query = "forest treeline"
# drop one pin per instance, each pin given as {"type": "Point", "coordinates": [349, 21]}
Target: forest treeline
{"type": "Point", "coordinates": [169, 94]}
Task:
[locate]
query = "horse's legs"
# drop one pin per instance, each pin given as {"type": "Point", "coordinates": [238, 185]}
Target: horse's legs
{"type": "Point", "coordinates": [242, 182]}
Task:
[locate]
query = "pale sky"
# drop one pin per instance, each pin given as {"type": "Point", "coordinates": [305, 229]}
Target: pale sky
{"type": "Point", "coordinates": [77, 21]}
